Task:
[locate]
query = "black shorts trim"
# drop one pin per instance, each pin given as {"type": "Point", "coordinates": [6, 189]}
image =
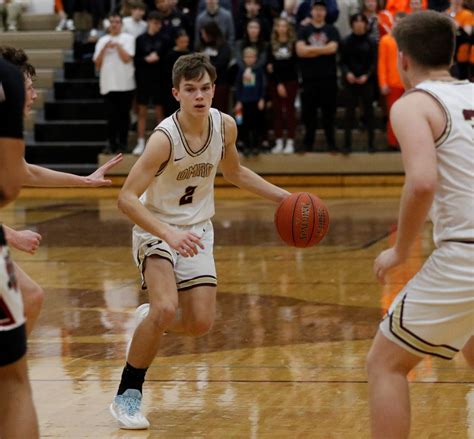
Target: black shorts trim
{"type": "Point", "coordinates": [196, 286]}
{"type": "Point", "coordinates": [12, 345]}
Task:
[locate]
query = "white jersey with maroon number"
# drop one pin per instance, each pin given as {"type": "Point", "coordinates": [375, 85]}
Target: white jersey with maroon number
{"type": "Point", "coordinates": [452, 211]}
{"type": "Point", "coordinates": [182, 193]}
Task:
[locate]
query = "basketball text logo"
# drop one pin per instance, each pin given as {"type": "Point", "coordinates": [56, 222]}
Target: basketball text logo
{"type": "Point", "coordinates": [304, 221]}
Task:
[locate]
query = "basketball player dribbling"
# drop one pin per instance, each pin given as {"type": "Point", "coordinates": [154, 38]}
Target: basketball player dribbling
{"type": "Point", "coordinates": [434, 313]}
{"type": "Point", "coordinates": [169, 195]}
{"type": "Point", "coordinates": [17, 412]}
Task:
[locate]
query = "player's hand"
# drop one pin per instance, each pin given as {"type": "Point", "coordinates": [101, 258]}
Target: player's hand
{"type": "Point", "coordinates": [97, 179]}
{"type": "Point", "coordinates": [25, 240]}
{"type": "Point", "coordinates": [385, 261]}
{"type": "Point", "coordinates": [185, 243]}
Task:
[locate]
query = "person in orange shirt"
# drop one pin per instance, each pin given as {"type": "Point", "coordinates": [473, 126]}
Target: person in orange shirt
{"type": "Point", "coordinates": [394, 6]}
{"type": "Point", "coordinates": [464, 20]}
{"type": "Point", "coordinates": [390, 83]}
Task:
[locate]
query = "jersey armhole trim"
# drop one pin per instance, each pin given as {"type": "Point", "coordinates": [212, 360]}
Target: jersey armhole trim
{"type": "Point", "coordinates": [222, 134]}
{"type": "Point", "coordinates": [447, 128]}
{"type": "Point", "coordinates": [165, 163]}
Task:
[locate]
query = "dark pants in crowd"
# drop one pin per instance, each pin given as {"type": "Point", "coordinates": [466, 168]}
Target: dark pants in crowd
{"type": "Point", "coordinates": [319, 94]}
{"type": "Point", "coordinates": [118, 105]}
{"type": "Point", "coordinates": [355, 94]}
{"type": "Point", "coordinates": [252, 130]}
{"type": "Point", "coordinates": [284, 110]}
{"type": "Point", "coordinates": [97, 8]}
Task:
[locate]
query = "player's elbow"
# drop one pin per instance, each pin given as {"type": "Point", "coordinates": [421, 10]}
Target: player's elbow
{"type": "Point", "coordinates": [123, 203]}
{"type": "Point", "coordinates": [424, 187]}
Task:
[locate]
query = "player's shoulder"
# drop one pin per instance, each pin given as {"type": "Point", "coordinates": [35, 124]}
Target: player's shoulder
{"type": "Point", "coordinates": [415, 100]}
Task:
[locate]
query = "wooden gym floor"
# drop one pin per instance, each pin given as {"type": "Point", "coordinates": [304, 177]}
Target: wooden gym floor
{"type": "Point", "coordinates": [285, 358]}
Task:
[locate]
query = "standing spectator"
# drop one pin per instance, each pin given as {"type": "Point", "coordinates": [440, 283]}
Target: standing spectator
{"type": "Point", "coordinates": [358, 64]}
{"type": "Point", "coordinates": [221, 16]}
{"type": "Point", "coordinates": [303, 14]}
{"type": "Point", "coordinates": [347, 8]}
{"type": "Point", "coordinates": [219, 52]}
{"type": "Point", "coordinates": [252, 10]}
{"type": "Point", "coordinates": [65, 10]}
{"type": "Point", "coordinates": [150, 57]}
{"type": "Point", "coordinates": [370, 10]}
{"type": "Point", "coordinates": [226, 4]}
{"type": "Point", "coordinates": [407, 6]}
{"type": "Point", "coordinates": [390, 84]}
{"type": "Point", "coordinates": [113, 57]}
{"type": "Point", "coordinates": [10, 13]}
{"type": "Point", "coordinates": [317, 47]}
{"type": "Point", "coordinates": [252, 38]}
{"type": "Point", "coordinates": [173, 19]}
{"type": "Point", "coordinates": [181, 47]}
{"type": "Point", "coordinates": [249, 95]}
{"type": "Point", "coordinates": [282, 65]}
{"type": "Point", "coordinates": [134, 24]}
{"type": "Point", "coordinates": [464, 21]}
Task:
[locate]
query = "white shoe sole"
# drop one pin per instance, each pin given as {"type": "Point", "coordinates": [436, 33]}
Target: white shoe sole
{"type": "Point", "coordinates": [122, 425]}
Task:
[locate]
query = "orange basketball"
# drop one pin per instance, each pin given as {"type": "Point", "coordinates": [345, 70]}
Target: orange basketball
{"type": "Point", "coordinates": [302, 220]}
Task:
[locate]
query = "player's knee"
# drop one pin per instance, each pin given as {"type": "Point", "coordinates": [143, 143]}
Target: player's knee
{"type": "Point", "coordinates": [162, 315]}
{"type": "Point", "coordinates": [34, 303]}
{"type": "Point", "coordinates": [198, 326]}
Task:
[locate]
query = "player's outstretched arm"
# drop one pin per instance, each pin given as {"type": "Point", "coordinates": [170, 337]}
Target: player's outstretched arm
{"type": "Point", "coordinates": [24, 240]}
{"type": "Point", "coordinates": [43, 177]}
{"type": "Point", "coordinates": [157, 153]}
{"type": "Point", "coordinates": [416, 120]}
{"type": "Point", "coordinates": [241, 176]}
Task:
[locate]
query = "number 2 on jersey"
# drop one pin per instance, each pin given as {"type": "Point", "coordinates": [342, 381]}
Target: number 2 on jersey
{"type": "Point", "coordinates": [187, 198]}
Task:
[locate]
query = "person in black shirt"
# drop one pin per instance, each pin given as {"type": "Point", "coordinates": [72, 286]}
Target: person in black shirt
{"type": "Point", "coordinates": [17, 412]}
{"type": "Point", "coordinates": [316, 47]}
{"type": "Point", "coordinates": [358, 64]}
{"type": "Point", "coordinates": [150, 55]}
{"type": "Point", "coordinates": [173, 19]}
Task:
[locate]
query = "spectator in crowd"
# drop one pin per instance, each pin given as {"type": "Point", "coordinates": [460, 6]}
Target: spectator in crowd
{"type": "Point", "coordinates": [282, 67]}
{"type": "Point", "coordinates": [150, 58]}
{"type": "Point", "coordinates": [250, 102]}
{"type": "Point", "coordinates": [213, 44]}
{"type": "Point", "coordinates": [304, 16]}
{"type": "Point", "coordinates": [181, 47]}
{"type": "Point", "coordinates": [317, 47]}
{"type": "Point", "coordinates": [347, 8]}
{"type": "Point", "coordinates": [358, 65]}
{"type": "Point", "coordinates": [173, 19]}
{"type": "Point", "coordinates": [407, 6]}
{"type": "Point", "coordinates": [223, 18]}
{"type": "Point", "coordinates": [391, 86]}
{"type": "Point", "coordinates": [113, 58]}
{"type": "Point", "coordinates": [252, 38]}
{"type": "Point", "coordinates": [370, 10]}
{"type": "Point", "coordinates": [438, 5]}
{"type": "Point", "coordinates": [10, 13]}
{"type": "Point", "coordinates": [226, 4]}
{"type": "Point", "coordinates": [252, 10]}
{"type": "Point", "coordinates": [65, 10]}
{"type": "Point", "coordinates": [464, 21]}
{"type": "Point", "coordinates": [134, 24]}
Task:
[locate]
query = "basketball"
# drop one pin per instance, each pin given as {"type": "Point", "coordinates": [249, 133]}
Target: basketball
{"type": "Point", "coordinates": [302, 220]}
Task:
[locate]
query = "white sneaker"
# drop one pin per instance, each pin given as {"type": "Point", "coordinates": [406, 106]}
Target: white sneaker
{"type": "Point", "coordinates": [125, 409]}
{"type": "Point", "coordinates": [289, 147]}
{"type": "Point", "coordinates": [138, 150]}
{"type": "Point", "coordinates": [61, 25]}
{"type": "Point", "coordinates": [140, 313]}
{"type": "Point", "coordinates": [70, 25]}
{"type": "Point", "coordinates": [12, 28]}
{"type": "Point", "coordinates": [278, 148]}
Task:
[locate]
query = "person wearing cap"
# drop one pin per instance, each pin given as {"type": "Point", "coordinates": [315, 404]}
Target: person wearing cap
{"type": "Point", "coordinates": [316, 48]}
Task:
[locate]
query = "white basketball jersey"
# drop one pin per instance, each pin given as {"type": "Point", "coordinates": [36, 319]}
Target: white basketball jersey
{"type": "Point", "coordinates": [182, 193]}
{"type": "Point", "coordinates": [452, 211]}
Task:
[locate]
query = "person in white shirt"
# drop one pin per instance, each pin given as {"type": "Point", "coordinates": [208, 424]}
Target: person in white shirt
{"type": "Point", "coordinates": [113, 57]}
{"type": "Point", "coordinates": [134, 24]}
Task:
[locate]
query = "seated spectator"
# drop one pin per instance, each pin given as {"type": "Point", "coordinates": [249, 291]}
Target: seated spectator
{"type": "Point", "coordinates": [252, 38]}
{"type": "Point", "coordinates": [214, 45]}
{"type": "Point", "coordinates": [358, 65]}
{"type": "Point", "coordinates": [391, 86]}
{"type": "Point", "coordinates": [282, 68]}
{"type": "Point", "coordinates": [113, 58]}
{"type": "Point", "coordinates": [10, 13]}
{"type": "Point", "coordinates": [250, 102]}
{"type": "Point", "coordinates": [252, 10]}
{"type": "Point", "coordinates": [150, 56]}
{"type": "Point", "coordinates": [223, 18]}
{"type": "Point", "coordinates": [134, 24]}
{"type": "Point", "coordinates": [181, 47]}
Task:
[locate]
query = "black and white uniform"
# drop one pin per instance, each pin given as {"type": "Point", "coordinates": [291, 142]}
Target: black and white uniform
{"type": "Point", "coordinates": [182, 195]}
{"type": "Point", "coordinates": [434, 313]}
